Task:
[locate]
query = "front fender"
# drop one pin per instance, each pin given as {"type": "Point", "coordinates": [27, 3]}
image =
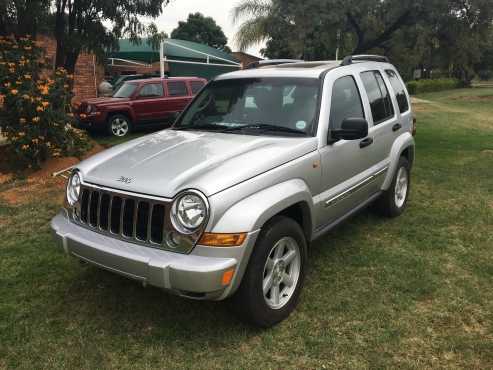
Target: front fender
{"type": "Point", "coordinates": [403, 142]}
{"type": "Point", "coordinates": [252, 212]}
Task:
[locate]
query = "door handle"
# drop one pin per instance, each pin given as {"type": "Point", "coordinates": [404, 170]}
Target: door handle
{"type": "Point", "coordinates": [396, 127]}
{"type": "Point", "coordinates": [366, 142]}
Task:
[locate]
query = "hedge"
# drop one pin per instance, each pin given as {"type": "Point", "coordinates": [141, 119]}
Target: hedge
{"type": "Point", "coordinates": [440, 84]}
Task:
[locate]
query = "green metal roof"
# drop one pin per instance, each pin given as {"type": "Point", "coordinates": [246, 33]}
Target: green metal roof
{"type": "Point", "coordinates": [145, 53]}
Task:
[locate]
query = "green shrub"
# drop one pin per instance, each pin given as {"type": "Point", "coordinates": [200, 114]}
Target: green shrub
{"type": "Point", "coordinates": [33, 104]}
{"type": "Point", "coordinates": [440, 84]}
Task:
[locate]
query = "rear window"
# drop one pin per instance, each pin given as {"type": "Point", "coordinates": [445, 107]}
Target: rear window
{"type": "Point", "coordinates": [399, 90]}
{"type": "Point", "coordinates": [177, 88]}
{"type": "Point", "coordinates": [196, 86]}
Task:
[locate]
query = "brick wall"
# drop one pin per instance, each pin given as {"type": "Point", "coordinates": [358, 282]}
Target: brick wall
{"type": "Point", "coordinates": [88, 74]}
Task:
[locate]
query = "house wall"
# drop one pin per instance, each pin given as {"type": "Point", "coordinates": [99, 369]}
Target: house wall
{"type": "Point", "coordinates": [88, 73]}
{"type": "Point", "coordinates": [245, 58]}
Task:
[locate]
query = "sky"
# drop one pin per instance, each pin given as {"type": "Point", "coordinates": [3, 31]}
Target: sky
{"type": "Point", "coordinates": [220, 10]}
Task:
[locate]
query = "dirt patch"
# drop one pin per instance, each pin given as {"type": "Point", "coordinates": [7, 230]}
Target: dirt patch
{"type": "Point", "coordinates": [473, 98]}
{"type": "Point", "coordinates": [41, 184]}
{"type": "Point", "coordinates": [487, 151]}
{"type": "Point", "coordinates": [415, 100]}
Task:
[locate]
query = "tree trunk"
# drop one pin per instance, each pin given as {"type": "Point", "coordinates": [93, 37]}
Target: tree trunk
{"type": "Point", "coordinates": [71, 60]}
{"type": "Point", "coordinates": [60, 33]}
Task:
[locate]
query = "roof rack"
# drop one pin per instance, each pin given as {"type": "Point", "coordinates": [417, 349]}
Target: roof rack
{"type": "Point", "coordinates": [350, 59]}
{"type": "Point", "coordinates": [271, 62]}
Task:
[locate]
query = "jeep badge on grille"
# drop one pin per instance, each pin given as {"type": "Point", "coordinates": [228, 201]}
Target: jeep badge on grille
{"type": "Point", "coordinates": [125, 180]}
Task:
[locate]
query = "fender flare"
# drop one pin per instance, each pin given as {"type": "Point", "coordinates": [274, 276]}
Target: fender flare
{"type": "Point", "coordinates": [402, 143]}
{"type": "Point", "coordinates": [252, 212]}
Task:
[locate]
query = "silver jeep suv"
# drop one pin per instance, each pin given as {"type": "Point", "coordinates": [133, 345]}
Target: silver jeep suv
{"type": "Point", "coordinates": [261, 163]}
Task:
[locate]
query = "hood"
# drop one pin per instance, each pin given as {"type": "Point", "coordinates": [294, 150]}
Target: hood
{"type": "Point", "coordinates": [165, 163]}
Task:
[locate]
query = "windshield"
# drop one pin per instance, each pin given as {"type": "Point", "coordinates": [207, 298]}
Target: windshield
{"type": "Point", "coordinates": [281, 105]}
{"type": "Point", "coordinates": [125, 91]}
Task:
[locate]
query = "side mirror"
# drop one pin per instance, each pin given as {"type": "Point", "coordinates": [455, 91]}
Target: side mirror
{"type": "Point", "coordinates": [351, 129]}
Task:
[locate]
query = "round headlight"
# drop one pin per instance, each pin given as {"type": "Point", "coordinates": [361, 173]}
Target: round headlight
{"type": "Point", "coordinates": [73, 188]}
{"type": "Point", "coordinates": [189, 212]}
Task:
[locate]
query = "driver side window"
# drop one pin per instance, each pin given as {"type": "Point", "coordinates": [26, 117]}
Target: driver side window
{"type": "Point", "coordinates": [345, 103]}
{"type": "Point", "coordinates": [151, 90]}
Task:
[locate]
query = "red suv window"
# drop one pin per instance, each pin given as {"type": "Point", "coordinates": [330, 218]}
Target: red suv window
{"type": "Point", "coordinates": [196, 86]}
{"type": "Point", "coordinates": [177, 88]}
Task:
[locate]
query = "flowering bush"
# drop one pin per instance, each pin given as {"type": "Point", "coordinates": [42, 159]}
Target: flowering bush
{"type": "Point", "coordinates": [34, 105]}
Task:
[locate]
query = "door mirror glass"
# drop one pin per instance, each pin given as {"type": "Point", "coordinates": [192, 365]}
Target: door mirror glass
{"type": "Point", "coordinates": [351, 129]}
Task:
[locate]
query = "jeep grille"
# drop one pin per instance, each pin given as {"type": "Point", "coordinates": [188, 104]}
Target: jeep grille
{"type": "Point", "coordinates": [131, 217]}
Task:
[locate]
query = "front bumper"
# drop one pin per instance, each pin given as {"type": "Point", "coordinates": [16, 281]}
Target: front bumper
{"type": "Point", "coordinates": [197, 275]}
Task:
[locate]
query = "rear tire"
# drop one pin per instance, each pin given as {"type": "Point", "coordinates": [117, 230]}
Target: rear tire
{"type": "Point", "coordinates": [274, 277]}
{"type": "Point", "coordinates": [394, 200]}
{"type": "Point", "coordinates": [119, 125]}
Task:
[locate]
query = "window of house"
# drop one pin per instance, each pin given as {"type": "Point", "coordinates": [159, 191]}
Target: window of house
{"type": "Point", "coordinates": [196, 86]}
{"type": "Point", "coordinates": [177, 88]}
{"type": "Point", "coordinates": [399, 90]}
{"type": "Point", "coordinates": [152, 90]}
{"type": "Point", "coordinates": [378, 95]}
{"type": "Point", "coordinates": [345, 103]}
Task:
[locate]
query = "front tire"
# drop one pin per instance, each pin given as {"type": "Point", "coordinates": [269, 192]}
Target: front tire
{"type": "Point", "coordinates": [394, 200]}
{"type": "Point", "coordinates": [273, 280]}
{"type": "Point", "coordinates": [119, 125]}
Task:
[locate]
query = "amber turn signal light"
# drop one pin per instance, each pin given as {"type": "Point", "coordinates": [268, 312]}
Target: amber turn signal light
{"type": "Point", "coordinates": [222, 240]}
{"type": "Point", "coordinates": [227, 277]}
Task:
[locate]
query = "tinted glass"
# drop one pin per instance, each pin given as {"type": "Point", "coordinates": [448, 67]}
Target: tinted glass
{"type": "Point", "coordinates": [345, 103]}
{"type": "Point", "coordinates": [125, 91]}
{"type": "Point", "coordinates": [378, 95]}
{"type": "Point", "coordinates": [399, 90]}
{"type": "Point", "coordinates": [177, 88]}
{"type": "Point", "coordinates": [196, 86]}
{"type": "Point", "coordinates": [283, 102]}
{"type": "Point", "coordinates": [152, 90]}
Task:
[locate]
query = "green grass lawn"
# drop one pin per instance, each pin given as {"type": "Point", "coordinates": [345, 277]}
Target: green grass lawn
{"type": "Point", "coordinates": [413, 293]}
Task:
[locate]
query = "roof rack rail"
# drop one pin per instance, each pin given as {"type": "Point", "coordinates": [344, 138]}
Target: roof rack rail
{"type": "Point", "coordinates": [350, 59]}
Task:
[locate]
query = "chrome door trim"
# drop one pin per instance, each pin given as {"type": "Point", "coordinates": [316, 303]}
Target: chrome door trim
{"type": "Point", "coordinates": [345, 194]}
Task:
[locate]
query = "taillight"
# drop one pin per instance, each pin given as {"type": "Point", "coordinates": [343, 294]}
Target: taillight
{"type": "Point", "coordinates": [414, 126]}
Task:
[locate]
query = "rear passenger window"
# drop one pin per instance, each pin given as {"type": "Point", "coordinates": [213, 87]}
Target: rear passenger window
{"type": "Point", "coordinates": [196, 86]}
{"type": "Point", "coordinates": [346, 102]}
{"type": "Point", "coordinates": [399, 90]}
{"type": "Point", "coordinates": [378, 95]}
{"type": "Point", "coordinates": [177, 88]}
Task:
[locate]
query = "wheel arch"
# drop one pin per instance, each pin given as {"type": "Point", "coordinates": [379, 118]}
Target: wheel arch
{"type": "Point", "coordinates": [404, 145]}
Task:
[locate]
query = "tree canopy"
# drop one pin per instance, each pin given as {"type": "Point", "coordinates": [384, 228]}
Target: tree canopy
{"type": "Point", "coordinates": [203, 30]}
{"type": "Point", "coordinates": [451, 35]}
{"type": "Point", "coordinates": [81, 25]}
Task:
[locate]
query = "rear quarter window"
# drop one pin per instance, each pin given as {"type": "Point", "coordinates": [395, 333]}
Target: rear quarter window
{"type": "Point", "coordinates": [196, 86]}
{"type": "Point", "coordinates": [399, 90]}
{"type": "Point", "coordinates": [378, 95]}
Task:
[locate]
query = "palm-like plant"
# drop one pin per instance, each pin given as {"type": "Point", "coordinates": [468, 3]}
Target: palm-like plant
{"type": "Point", "coordinates": [255, 16]}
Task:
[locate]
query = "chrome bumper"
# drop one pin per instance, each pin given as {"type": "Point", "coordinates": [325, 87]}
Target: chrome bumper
{"type": "Point", "coordinates": [196, 275]}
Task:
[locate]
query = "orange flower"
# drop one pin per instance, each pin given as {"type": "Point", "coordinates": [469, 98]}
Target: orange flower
{"type": "Point", "coordinates": [34, 141]}
{"type": "Point", "coordinates": [27, 77]}
{"type": "Point", "coordinates": [22, 120]}
{"type": "Point", "coordinates": [36, 119]}
{"type": "Point", "coordinates": [14, 92]}
{"type": "Point", "coordinates": [22, 134]}
{"type": "Point", "coordinates": [12, 70]}
{"type": "Point", "coordinates": [25, 96]}
{"type": "Point", "coordinates": [45, 104]}
{"type": "Point", "coordinates": [25, 147]}
{"type": "Point", "coordinates": [27, 48]}
{"type": "Point", "coordinates": [7, 84]}
{"type": "Point", "coordinates": [39, 109]}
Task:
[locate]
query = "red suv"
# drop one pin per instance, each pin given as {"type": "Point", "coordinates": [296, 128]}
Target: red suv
{"type": "Point", "coordinates": [139, 103]}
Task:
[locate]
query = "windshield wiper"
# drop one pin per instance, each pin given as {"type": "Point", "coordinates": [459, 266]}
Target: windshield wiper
{"type": "Point", "coordinates": [266, 127]}
{"type": "Point", "coordinates": [207, 127]}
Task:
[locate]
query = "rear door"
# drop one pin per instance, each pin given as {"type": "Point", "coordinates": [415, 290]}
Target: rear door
{"type": "Point", "coordinates": [178, 97]}
{"type": "Point", "coordinates": [148, 103]}
{"type": "Point", "coordinates": [384, 118]}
